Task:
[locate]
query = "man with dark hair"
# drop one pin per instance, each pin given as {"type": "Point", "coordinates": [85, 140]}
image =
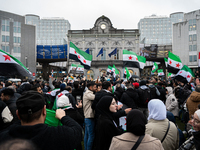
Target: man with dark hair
{"type": "Point", "coordinates": [106, 91]}
{"type": "Point", "coordinates": [88, 98]}
{"type": "Point", "coordinates": [37, 87]}
{"type": "Point", "coordinates": [7, 95]}
{"type": "Point", "coordinates": [78, 90]}
{"type": "Point", "coordinates": [31, 110]}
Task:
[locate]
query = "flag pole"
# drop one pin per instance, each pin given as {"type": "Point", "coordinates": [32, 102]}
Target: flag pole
{"type": "Point", "coordinates": [123, 72]}
{"type": "Point", "coordinates": [68, 47]}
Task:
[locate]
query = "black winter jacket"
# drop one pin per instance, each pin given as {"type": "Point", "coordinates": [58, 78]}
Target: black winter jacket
{"type": "Point", "coordinates": [130, 98]}
{"type": "Point", "coordinates": [44, 137]}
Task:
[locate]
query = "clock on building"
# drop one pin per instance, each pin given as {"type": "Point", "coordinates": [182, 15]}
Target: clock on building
{"type": "Point", "coordinates": [103, 26]}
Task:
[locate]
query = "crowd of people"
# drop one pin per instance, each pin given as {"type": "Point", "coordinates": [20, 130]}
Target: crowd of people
{"type": "Point", "coordinates": [75, 113]}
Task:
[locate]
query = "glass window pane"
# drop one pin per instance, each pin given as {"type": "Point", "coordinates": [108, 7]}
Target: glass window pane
{"type": "Point", "coordinates": [190, 47]}
{"type": "Point", "coordinates": [19, 40]}
{"type": "Point", "coordinates": [195, 57]}
{"type": "Point", "coordinates": [19, 30]}
{"type": "Point", "coordinates": [7, 49]}
{"type": "Point", "coordinates": [190, 21]}
{"type": "Point", "coordinates": [7, 38]}
{"type": "Point", "coordinates": [194, 21]}
{"type": "Point", "coordinates": [3, 38]}
{"type": "Point", "coordinates": [3, 28]}
{"type": "Point", "coordinates": [3, 48]}
{"type": "Point", "coordinates": [19, 49]}
{"type": "Point", "coordinates": [194, 47]}
{"type": "Point", "coordinates": [194, 37]}
{"type": "Point", "coordinates": [190, 27]}
{"type": "Point", "coordinates": [190, 58]}
{"type": "Point", "coordinates": [190, 38]}
{"type": "Point", "coordinates": [8, 28]}
{"type": "Point", "coordinates": [194, 26]}
{"type": "Point", "coordinates": [3, 22]}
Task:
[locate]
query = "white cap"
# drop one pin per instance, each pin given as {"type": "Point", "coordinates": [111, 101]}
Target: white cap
{"type": "Point", "coordinates": [63, 101]}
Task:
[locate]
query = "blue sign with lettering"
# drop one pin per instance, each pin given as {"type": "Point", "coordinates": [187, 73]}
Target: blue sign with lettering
{"type": "Point", "coordinates": [47, 52]}
{"type": "Point", "coordinates": [54, 51]}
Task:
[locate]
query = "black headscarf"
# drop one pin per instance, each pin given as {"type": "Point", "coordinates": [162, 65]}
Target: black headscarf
{"type": "Point", "coordinates": [136, 122]}
{"type": "Point", "coordinates": [103, 106]}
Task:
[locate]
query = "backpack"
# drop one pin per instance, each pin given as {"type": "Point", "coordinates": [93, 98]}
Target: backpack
{"type": "Point", "coordinates": [145, 96]}
{"type": "Point", "coordinates": [153, 94]}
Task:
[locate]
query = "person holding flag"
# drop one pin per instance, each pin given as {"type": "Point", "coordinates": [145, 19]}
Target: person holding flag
{"type": "Point", "coordinates": [127, 73]}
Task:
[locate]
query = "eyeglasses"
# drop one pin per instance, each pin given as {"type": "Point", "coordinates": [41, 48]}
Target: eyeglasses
{"type": "Point", "coordinates": [196, 121]}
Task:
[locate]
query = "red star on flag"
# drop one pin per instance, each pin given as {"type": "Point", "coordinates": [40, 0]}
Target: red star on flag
{"type": "Point", "coordinates": [7, 57]}
{"type": "Point", "coordinates": [178, 65]}
{"type": "Point", "coordinates": [130, 58]}
{"type": "Point", "coordinates": [79, 57]}
{"type": "Point", "coordinates": [125, 71]}
{"type": "Point", "coordinates": [136, 58]}
{"type": "Point", "coordinates": [75, 52]}
{"type": "Point", "coordinates": [78, 68]}
{"type": "Point", "coordinates": [188, 76]}
{"type": "Point", "coordinates": [84, 61]}
{"type": "Point", "coordinates": [153, 68]}
{"type": "Point", "coordinates": [59, 95]}
{"type": "Point", "coordinates": [170, 62]}
{"type": "Point", "coordinates": [180, 72]}
{"type": "Point", "coordinates": [125, 119]}
{"type": "Point", "coordinates": [109, 70]}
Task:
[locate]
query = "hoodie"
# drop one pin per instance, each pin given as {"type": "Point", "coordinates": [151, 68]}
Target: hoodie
{"type": "Point", "coordinates": [192, 102]}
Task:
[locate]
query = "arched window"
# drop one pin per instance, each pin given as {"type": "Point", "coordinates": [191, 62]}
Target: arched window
{"type": "Point", "coordinates": [131, 72]}
{"type": "Point", "coordinates": [103, 56]}
{"type": "Point", "coordinates": [90, 74]}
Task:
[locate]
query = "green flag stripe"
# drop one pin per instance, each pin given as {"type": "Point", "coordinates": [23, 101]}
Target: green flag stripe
{"type": "Point", "coordinates": [174, 57]}
{"type": "Point", "coordinates": [80, 66]}
{"type": "Point", "coordinates": [129, 52]}
{"type": "Point", "coordinates": [160, 70]}
{"type": "Point", "coordinates": [82, 53]}
{"type": "Point", "coordinates": [141, 59]}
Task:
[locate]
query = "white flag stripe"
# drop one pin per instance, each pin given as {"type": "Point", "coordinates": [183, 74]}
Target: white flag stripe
{"type": "Point", "coordinates": [127, 57]}
{"type": "Point", "coordinates": [6, 59]}
{"type": "Point", "coordinates": [174, 64]}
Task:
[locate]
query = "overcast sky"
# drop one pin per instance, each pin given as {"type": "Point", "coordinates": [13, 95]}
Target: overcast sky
{"type": "Point", "coordinates": [82, 14]}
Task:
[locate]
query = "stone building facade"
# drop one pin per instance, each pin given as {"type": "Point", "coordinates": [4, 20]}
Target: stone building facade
{"type": "Point", "coordinates": [104, 35]}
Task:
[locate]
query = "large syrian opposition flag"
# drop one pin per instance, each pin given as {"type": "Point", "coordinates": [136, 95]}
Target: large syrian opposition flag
{"type": "Point", "coordinates": [78, 55]}
{"type": "Point", "coordinates": [160, 72]}
{"type": "Point", "coordinates": [109, 70]}
{"type": "Point", "coordinates": [185, 74]}
{"type": "Point", "coordinates": [130, 59]}
{"type": "Point", "coordinates": [155, 67]}
{"type": "Point", "coordinates": [10, 66]}
{"type": "Point", "coordinates": [80, 69]}
{"type": "Point", "coordinates": [142, 61]}
{"type": "Point", "coordinates": [126, 73]}
{"type": "Point", "coordinates": [174, 63]}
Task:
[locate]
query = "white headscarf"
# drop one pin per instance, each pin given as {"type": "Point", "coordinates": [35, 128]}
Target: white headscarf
{"type": "Point", "coordinates": [157, 110]}
{"type": "Point", "coordinates": [198, 113]}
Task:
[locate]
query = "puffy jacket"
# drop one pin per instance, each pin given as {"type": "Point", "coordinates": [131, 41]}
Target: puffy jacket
{"type": "Point", "coordinates": [192, 102]}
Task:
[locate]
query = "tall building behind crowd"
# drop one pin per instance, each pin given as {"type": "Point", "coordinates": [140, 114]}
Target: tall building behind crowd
{"type": "Point", "coordinates": [50, 31]}
{"type": "Point", "coordinates": [18, 39]}
{"type": "Point", "coordinates": [104, 35]}
{"type": "Point", "coordinates": [158, 29]}
{"type": "Point", "coordinates": [186, 39]}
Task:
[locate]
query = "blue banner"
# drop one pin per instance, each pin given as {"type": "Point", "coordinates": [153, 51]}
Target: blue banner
{"type": "Point", "coordinates": [40, 51]}
{"type": "Point", "coordinates": [47, 52]}
{"type": "Point", "coordinates": [54, 51]}
{"type": "Point", "coordinates": [65, 46]}
{"type": "Point", "coordinates": [61, 51]}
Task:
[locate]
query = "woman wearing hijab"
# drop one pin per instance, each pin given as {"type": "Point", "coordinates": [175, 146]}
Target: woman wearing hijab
{"type": "Point", "coordinates": [136, 122]}
{"type": "Point", "coordinates": [106, 126]}
{"type": "Point", "coordinates": [160, 127]}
